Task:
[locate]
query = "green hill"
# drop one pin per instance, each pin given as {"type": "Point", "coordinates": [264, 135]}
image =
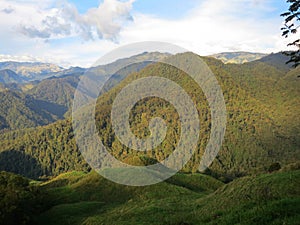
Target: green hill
{"type": "Point", "coordinates": [41, 151]}
{"type": "Point", "coordinates": [18, 110]}
{"type": "Point", "coordinates": [250, 144]}
{"type": "Point", "coordinates": [57, 90]}
{"type": "Point", "coordinates": [262, 127]}
{"type": "Point", "coordinates": [18, 201]}
{"type": "Point", "coordinates": [277, 60]}
{"type": "Point", "coordinates": [86, 198]}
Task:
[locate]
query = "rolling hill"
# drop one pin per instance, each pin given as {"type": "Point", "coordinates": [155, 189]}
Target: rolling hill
{"type": "Point", "coordinates": [260, 131]}
{"type": "Point", "coordinates": [81, 198]}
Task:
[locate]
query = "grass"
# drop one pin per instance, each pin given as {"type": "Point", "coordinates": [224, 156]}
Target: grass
{"type": "Point", "coordinates": [72, 214]}
{"type": "Point", "coordinates": [183, 199]}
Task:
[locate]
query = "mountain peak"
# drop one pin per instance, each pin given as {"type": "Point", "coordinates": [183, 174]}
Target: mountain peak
{"type": "Point", "coordinates": [238, 57]}
{"type": "Point", "coordinates": [30, 70]}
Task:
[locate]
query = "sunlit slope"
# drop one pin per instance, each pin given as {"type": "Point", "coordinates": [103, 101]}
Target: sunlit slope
{"type": "Point", "coordinates": [90, 199]}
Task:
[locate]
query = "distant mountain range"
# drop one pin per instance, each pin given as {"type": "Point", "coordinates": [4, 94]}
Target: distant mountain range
{"type": "Point", "coordinates": [51, 98]}
{"type": "Point", "coordinates": [8, 76]}
{"type": "Point", "coordinates": [24, 72]}
{"type": "Point", "coordinates": [238, 57]}
{"type": "Point", "coordinates": [57, 88]}
{"type": "Point", "coordinates": [31, 71]}
{"type": "Point", "coordinates": [27, 72]}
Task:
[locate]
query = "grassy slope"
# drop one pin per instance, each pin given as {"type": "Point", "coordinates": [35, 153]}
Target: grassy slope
{"type": "Point", "coordinates": [80, 198]}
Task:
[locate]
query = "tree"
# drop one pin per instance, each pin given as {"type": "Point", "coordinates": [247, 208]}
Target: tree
{"type": "Point", "coordinates": [291, 25]}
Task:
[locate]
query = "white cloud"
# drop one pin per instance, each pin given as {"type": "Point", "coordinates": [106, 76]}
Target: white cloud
{"type": "Point", "coordinates": [23, 58]}
{"type": "Point", "coordinates": [8, 10]}
{"type": "Point", "coordinates": [104, 22]}
{"type": "Point", "coordinates": [214, 26]}
{"type": "Point", "coordinates": [41, 31]}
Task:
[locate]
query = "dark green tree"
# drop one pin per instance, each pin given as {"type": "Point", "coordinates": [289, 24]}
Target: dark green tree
{"type": "Point", "coordinates": [291, 25]}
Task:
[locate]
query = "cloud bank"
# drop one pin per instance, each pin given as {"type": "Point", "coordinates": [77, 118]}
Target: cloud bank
{"type": "Point", "coordinates": [55, 31]}
{"type": "Point", "coordinates": [104, 22]}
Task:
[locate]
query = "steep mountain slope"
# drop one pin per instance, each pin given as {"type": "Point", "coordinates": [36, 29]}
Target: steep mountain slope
{"type": "Point", "coordinates": [276, 87]}
{"type": "Point", "coordinates": [250, 143]}
{"type": "Point", "coordinates": [60, 88]}
{"type": "Point", "coordinates": [9, 76]}
{"type": "Point", "coordinates": [19, 111]}
{"type": "Point", "coordinates": [57, 90]}
{"type": "Point", "coordinates": [54, 96]}
{"type": "Point", "coordinates": [277, 60]}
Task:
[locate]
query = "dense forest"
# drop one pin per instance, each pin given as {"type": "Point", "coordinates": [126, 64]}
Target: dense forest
{"type": "Point", "coordinates": [260, 130]}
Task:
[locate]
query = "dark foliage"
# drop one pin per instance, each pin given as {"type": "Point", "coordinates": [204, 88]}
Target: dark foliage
{"type": "Point", "coordinates": [292, 23]}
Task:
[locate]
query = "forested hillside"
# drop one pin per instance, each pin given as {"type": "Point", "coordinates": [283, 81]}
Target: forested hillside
{"type": "Point", "coordinates": [56, 90]}
{"type": "Point", "coordinates": [262, 123]}
{"type": "Point", "coordinates": [19, 111]}
{"type": "Point", "coordinates": [8, 76]}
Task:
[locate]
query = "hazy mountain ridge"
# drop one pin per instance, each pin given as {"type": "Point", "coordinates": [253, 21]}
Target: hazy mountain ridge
{"type": "Point", "coordinates": [277, 60]}
{"type": "Point", "coordinates": [32, 71]}
{"type": "Point", "coordinates": [238, 57]}
{"type": "Point", "coordinates": [57, 89]}
{"type": "Point", "coordinates": [8, 76]}
{"type": "Point", "coordinates": [29, 71]}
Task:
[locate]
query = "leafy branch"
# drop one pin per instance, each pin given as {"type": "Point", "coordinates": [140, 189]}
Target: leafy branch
{"type": "Point", "coordinates": [291, 26]}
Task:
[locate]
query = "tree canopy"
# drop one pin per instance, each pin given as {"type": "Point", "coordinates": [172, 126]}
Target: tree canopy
{"type": "Point", "coordinates": [291, 25]}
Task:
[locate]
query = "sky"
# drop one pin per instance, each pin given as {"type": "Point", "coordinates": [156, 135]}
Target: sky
{"type": "Point", "coordinates": [79, 32]}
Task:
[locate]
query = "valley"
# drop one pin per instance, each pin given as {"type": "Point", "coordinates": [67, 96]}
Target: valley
{"type": "Point", "coordinates": [253, 180]}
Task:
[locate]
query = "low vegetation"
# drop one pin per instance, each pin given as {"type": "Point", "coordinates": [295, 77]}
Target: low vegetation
{"type": "Point", "coordinates": [87, 198]}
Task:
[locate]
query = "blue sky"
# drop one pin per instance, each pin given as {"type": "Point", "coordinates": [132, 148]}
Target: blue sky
{"type": "Point", "coordinates": [162, 8]}
{"type": "Point", "coordinates": [84, 6]}
{"type": "Point", "coordinates": [78, 32]}
{"type": "Point", "coordinates": [171, 9]}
